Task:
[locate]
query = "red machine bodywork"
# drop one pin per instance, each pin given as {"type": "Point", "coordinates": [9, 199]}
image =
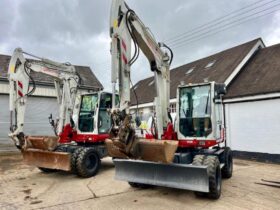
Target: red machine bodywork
{"type": "Point", "coordinates": [69, 134]}
{"type": "Point", "coordinates": [170, 134]}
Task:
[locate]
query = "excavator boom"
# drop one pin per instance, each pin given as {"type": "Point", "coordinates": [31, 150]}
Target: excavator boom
{"type": "Point", "coordinates": [126, 28]}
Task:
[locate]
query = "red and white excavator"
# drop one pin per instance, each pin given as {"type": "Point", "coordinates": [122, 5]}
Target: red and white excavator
{"type": "Point", "coordinates": [190, 153]}
{"type": "Point", "coordinates": [82, 126]}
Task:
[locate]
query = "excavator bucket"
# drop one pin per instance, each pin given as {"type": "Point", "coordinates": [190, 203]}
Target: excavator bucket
{"type": "Point", "coordinates": [48, 143]}
{"type": "Point", "coordinates": [39, 151]}
{"type": "Point", "coordinates": [149, 150]}
{"type": "Point", "coordinates": [180, 176]}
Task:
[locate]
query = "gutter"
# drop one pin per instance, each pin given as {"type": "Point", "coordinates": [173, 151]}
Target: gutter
{"type": "Point", "coordinates": [252, 98]}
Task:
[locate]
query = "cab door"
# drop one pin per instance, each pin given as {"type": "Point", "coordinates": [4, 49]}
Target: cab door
{"type": "Point", "coordinates": [104, 118]}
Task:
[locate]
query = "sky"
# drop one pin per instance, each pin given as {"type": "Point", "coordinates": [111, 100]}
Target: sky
{"type": "Point", "coordinates": [77, 31]}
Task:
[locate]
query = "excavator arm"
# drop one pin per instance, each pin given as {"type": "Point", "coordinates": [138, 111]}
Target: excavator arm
{"type": "Point", "coordinates": [127, 28]}
{"type": "Point", "coordinates": [20, 71]}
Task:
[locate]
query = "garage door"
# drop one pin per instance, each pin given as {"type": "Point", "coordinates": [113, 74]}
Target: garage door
{"type": "Point", "coordinates": [36, 117]}
{"type": "Point", "coordinates": [254, 126]}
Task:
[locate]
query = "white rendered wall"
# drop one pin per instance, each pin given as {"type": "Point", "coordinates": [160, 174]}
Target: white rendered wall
{"type": "Point", "coordinates": [254, 126]}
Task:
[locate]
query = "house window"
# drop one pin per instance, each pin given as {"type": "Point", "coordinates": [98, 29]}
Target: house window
{"type": "Point", "coordinates": [210, 64]}
{"type": "Point", "coordinates": [172, 108]}
{"type": "Point", "coordinates": [190, 70]}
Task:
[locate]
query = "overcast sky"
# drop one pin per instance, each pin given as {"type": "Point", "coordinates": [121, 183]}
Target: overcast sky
{"type": "Point", "coordinates": [77, 30]}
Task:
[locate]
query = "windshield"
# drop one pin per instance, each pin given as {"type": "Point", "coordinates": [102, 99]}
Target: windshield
{"type": "Point", "coordinates": [89, 103]}
{"type": "Point", "coordinates": [87, 112]}
{"type": "Point", "coordinates": [194, 101]}
{"type": "Point", "coordinates": [195, 111]}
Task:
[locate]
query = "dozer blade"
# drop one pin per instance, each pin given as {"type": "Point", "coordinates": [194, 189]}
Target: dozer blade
{"type": "Point", "coordinates": [180, 176]}
{"type": "Point", "coordinates": [47, 159]}
{"type": "Point", "coordinates": [149, 150]}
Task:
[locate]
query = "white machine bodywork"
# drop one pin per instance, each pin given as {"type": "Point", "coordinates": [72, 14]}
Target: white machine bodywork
{"type": "Point", "coordinates": [65, 79]}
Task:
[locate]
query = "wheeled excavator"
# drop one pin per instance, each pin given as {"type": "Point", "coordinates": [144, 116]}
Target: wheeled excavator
{"type": "Point", "coordinates": [190, 153]}
{"type": "Point", "coordinates": [82, 125]}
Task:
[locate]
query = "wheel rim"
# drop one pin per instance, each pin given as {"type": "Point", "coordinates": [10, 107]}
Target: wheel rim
{"type": "Point", "coordinates": [91, 161]}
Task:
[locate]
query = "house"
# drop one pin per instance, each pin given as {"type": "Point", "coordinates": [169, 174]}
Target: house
{"type": "Point", "coordinates": [252, 107]}
{"type": "Point", "coordinates": [43, 101]}
{"type": "Point", "coordinates": [251, 73]}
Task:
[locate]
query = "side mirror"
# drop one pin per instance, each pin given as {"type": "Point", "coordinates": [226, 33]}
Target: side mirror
{"type": "Point", "coordinates": [220, 89]}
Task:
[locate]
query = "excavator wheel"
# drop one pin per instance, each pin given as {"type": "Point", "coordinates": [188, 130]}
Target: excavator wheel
{"type": "Point", "coordinates": [74, 157]}
{"type": "Point", "coordinates": [88, 162]}
{"type": "Point", "coordinates": [198, 161]}
{"type": "Point", "coordinates": [140, 186]}
{"type": "Point", "coordinates": [215, 176]}
{"type": "Point", "coordinates": [228, 167]}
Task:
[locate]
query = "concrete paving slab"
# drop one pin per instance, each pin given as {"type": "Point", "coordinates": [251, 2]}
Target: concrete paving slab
{"type": "Point", "coordinates": [25, 187]}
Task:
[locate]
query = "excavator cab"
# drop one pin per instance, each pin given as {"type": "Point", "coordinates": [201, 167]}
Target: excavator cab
{"type": "Point", "coordinates": [93, 113]}
{"type": "Point", "coordinates": [200, 113]}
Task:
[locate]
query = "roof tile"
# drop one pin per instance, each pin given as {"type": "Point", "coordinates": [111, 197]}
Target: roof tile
{"type": "Point", "coordinates": [261, 75]}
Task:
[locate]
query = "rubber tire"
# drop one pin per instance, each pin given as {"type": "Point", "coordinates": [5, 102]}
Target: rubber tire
{"type": "Point", "coordinates": [198, 161]}
{"type": "Point", "coordinates": [228, 167]}
{"type": "Point", "coordinates": [47, 170]}
{"type": "Point", "coordinates": [215, 176]}
{"type": "Point", "coordinates": [73, 160]}
{"type": "Point", "coordinates": [140, 186]}
{"type": "Point", "coordinates": [86, 155]}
